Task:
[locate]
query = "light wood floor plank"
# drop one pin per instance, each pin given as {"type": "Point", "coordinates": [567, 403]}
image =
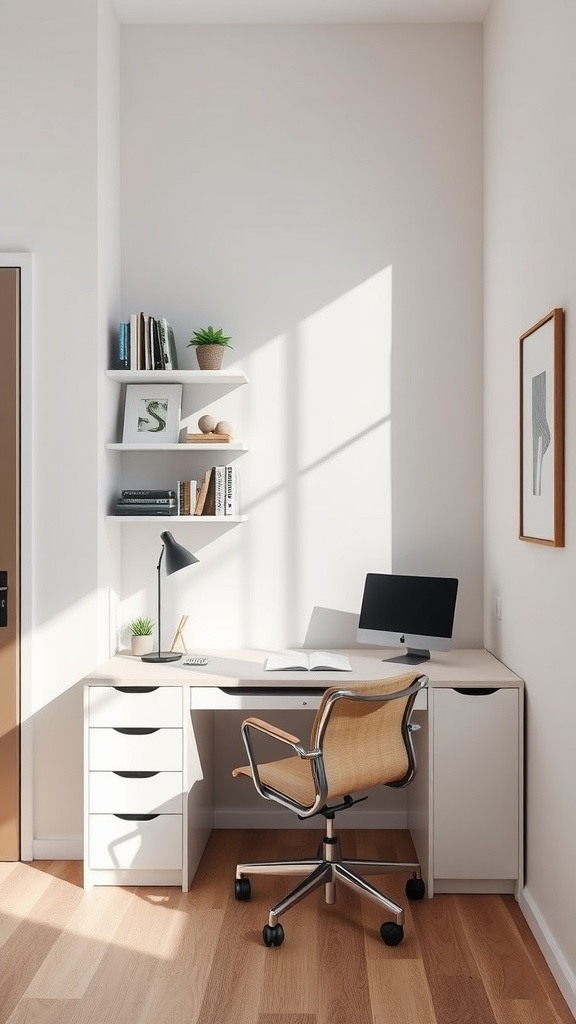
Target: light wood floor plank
{"type": "Point", "coordinates": [153, 955]}
{"type": "Point", "coordinates": [76, 955]}
{"type": "Point", "coordinates": [29, 945]}
{"type": "Point", "coordinates": [504, 967]}
{"type": "Point", "coordinates": [42, 1011]}
{"type": "Point", "coordinates": [399, 992]}
{"type": "Point", "coordinates": [20, 890]}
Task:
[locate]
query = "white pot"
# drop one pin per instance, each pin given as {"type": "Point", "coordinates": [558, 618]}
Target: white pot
{"type": "Point", "coordinates": [141, 645]}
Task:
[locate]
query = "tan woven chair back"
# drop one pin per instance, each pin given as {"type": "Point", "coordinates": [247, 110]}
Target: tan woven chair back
{"type": "Point", "coordinates": [363, 742]}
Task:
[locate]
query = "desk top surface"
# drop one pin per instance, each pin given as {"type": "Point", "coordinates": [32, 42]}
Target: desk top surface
{"type": "Point", "coordinates": [240, 668]}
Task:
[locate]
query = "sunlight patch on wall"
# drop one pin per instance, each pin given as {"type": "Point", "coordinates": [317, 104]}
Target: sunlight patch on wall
{"type": "Point", "coordinates": [318, 478]}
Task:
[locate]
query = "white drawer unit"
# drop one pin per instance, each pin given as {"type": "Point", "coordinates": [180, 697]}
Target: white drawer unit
{"type": "Point", "coordinates": [134, 784]}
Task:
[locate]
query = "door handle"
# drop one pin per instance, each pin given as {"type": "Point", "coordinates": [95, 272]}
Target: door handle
{"type": "Point", "coordinates": [3, 597]}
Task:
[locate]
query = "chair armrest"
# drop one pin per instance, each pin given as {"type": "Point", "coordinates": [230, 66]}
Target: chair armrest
{"type": "Point", "coordinates": [270, 730]}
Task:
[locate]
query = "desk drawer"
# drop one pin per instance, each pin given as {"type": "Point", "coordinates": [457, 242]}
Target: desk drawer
{"type": "Point", "coordinates": [144, 844]}
{"type": "Point", "coordinates": [280, 699]}
{"type": "Point", "coordinates": [161, 707]}
{"type": "Point", "coordinates": [160, 792]}
{"type": "Point", "coordinates": [158, 750]}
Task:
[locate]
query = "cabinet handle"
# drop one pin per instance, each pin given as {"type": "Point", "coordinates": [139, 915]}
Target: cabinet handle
{"type": "Point", "coordinates": [136, 775]}
{"type": "Point", "coordinates": [136, 689]}
{"type": "Point", "coordinates": [130, 730]}
{"type": "Point", "coordinates": [476, 691]}
{"type": "Point", "coordinates": [137, 817]}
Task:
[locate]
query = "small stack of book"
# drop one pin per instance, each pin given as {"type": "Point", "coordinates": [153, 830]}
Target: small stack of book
{"type": "Point", "coordinates": [144, 502]}
{"type": "Point", "coordinates": [187, 492]}
{"type": "Point", "coordinates": [218, 492]}
{"type": "Point", "coordinates": [146, 343]}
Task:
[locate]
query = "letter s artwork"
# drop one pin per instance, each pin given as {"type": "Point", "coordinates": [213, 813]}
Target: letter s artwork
{"type": "Point", "coordinates": [153, 415]}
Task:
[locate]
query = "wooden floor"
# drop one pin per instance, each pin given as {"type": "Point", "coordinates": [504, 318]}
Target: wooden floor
{"type": "Point", "coordinates": [160, 956]}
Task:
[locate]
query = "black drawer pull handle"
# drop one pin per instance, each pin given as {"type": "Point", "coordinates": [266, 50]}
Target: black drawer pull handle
{"type": "Point", "coordinates": [476, 691]}
{"type": "Point", "coordinates": [137, 817]}
{"type": "Point", "coordinates": [136, 775]}
{"type": "Point", "coordinates": [136, 689]}
{"type": "Point", "coordinates": [135, 730]}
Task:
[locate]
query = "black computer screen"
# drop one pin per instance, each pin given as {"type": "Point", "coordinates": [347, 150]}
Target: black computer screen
{"type": "Point", "coordinates": [422, 605]}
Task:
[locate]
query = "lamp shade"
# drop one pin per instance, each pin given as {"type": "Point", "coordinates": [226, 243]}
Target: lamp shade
{"type": "Point", "coordinates": [176, 556]}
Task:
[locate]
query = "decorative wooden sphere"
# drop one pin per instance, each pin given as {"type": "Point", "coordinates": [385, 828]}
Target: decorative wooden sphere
{"type": "Point", "coordinates": [206, 424]}
{"type": "Point", "coordinates": [223, 427]}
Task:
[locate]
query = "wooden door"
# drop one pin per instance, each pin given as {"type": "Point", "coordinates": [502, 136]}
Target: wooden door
{"type": "Point", "coordinates": [9, 563]}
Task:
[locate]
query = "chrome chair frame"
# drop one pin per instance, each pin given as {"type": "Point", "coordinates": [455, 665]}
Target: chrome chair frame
{"type": "Point", "coordinates": [330, 866]}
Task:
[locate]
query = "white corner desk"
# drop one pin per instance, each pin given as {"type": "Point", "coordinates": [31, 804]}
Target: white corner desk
{"type": "Point", "coordinates": [149, 755]}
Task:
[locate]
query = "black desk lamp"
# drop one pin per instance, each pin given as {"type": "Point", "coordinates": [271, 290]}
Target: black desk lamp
{"type": "Point", "coordinates": [177, 557]}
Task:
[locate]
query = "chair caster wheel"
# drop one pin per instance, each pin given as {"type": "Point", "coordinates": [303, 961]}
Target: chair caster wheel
{"type": "Point", "coordinates": [415, 888]}
{"type": "Point", "coordinates": [242, 889]}
{"type": "Point", "coordinates": [391, 933]}
{"type": "Point", "coordinates": [273, 936]}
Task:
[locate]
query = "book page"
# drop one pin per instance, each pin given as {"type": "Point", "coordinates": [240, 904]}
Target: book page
{"type": "Point", "coordinates": [286, 662]}
{"type": "Point", "coordinates": [329, 662]}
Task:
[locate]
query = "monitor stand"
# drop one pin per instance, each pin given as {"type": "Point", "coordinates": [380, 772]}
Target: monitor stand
{"type": "Point", "coordinates": [413, 656]}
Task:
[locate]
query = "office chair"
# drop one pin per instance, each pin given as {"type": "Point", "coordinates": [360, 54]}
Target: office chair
{"type": "Point", "coordinates": [361, 737]}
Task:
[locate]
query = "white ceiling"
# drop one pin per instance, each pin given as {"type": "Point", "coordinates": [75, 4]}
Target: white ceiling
{"type": "Point", "coordinates": [292, 12]}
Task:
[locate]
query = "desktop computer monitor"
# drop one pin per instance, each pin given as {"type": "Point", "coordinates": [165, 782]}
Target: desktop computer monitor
{"type": "Point", "coordinates": [417, 611]}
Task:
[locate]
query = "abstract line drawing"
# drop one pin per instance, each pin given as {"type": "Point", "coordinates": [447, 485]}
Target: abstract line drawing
{"type": "Point", "coordinates": [540, 430]}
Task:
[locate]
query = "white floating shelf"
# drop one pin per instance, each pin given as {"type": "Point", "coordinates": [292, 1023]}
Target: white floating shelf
{"type": "Point", "coordinates": [177, 377]}
{"type": "Point", "coordinates": [179, 519]}
{"type": "Point", "coordinates": [228, 446]}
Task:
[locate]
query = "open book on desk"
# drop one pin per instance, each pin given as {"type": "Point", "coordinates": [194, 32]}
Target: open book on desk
{"type": "Point", "coordinates": [316, 661]}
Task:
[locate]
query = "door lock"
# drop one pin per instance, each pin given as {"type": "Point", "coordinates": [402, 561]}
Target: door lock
{"type": "Point", "coordinates": [3, 598]}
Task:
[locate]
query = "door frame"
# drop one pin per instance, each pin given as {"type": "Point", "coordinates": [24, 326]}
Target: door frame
{"type": "Point", "coordinates": [24, 261]}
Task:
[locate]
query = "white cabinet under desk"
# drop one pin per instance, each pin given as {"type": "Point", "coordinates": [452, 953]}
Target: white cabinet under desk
{"type": "Point", "coordinates": [150, 754]}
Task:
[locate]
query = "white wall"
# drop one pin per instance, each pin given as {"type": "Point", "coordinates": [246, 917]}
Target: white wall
{"type": "Point", "coordinates": [530, 256]}
{"type": "Point", "coordinates": [316, 191]}
{"type": "Point", "coordinates": [50, 198]}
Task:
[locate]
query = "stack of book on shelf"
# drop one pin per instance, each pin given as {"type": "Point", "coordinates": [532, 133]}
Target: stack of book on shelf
{"type": "Point", "coordinates": [145, 502]}
{"type": "Point", "coordinates": [218, 494]}
{"type": "Point", "coordinates": [145, 343]}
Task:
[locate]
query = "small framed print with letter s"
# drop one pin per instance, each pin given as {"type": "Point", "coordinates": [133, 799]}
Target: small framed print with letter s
{"type": "Point", "coordinates": [152, 414]}
{"type": "Point", "coordinates": [542, 431]}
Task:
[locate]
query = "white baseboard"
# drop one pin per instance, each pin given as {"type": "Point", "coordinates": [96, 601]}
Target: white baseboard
{"type": "Point", "coordinates": [57, 848]}
{"type": "Point", "coordinates": [276, 817]}
{"type": "Point", "coordinates": [562, 972]}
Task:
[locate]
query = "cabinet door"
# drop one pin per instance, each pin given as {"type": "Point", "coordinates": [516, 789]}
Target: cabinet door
{"type": "Point", "coordinates": [476, 784]}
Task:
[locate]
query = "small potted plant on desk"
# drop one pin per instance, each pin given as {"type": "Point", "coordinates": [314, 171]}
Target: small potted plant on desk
{"type": "Point", "coordinates": [210, 345]}
{"type": "Point", "coordinates": [141, 640]}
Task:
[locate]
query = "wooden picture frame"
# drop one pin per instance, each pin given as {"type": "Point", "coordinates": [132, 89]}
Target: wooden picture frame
{"type": "Point", "coordinates": [152, 414]}
{"type": "Point", "coordinates": [542, 431]}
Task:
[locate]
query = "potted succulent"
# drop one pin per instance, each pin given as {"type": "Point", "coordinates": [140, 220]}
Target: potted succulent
{"type": "Point", "coordinates": [210, 345]}
{"type": "Point", "coordinates": [141, 640]}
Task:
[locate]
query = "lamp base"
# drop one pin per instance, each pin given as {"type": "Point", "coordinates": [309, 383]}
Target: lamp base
{"type": "Point", "coordinates": [161, 656]}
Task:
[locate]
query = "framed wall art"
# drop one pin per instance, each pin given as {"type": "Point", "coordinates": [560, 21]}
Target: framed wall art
{"type": "Point", "coordinates": [542, 431]}
{"type": "Point", "coordinates": [152, 414]}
